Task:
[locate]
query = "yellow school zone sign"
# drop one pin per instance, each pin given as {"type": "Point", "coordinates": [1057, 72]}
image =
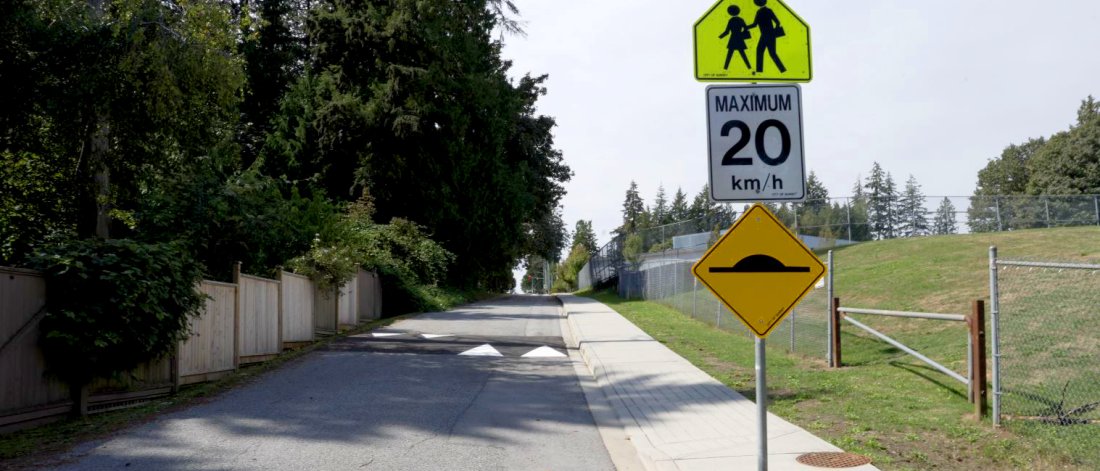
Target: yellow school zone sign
{"type": "Point", "coordinates": [752, 41]}
{"type": "Point", "coordinates": [759, 269]}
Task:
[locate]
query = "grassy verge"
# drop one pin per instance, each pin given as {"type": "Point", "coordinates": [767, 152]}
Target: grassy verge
{"type": "Point", "coordinates": [884, 405]}
{"type": "Point", "coordinates": [27, 448]}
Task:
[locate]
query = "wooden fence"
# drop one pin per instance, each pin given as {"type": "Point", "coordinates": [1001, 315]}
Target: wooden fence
{"type": "Point", "coordinates": [209, 352]}
{"type": "Point", "coordinates": [25, 394]}
{"type": "Point", "coordinates": [251, 320]}
{"type": "Point", "coordinates": [296, 295]}
{"type": "Point", "coordinates": [324, 311]}
{"type": "Point", "coordinates": [260, 329]}
{"type": "Point", "coordinates": [347, 310]}
{"type": "Point", "coordinates": [369, 292]}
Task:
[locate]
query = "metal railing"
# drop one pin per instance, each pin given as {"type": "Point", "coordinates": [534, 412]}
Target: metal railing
{"type": "Point", "coordinates": [975, 379]}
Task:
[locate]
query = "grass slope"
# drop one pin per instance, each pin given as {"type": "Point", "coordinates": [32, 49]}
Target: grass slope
{"type": "Point", "coordinates": [943, 273]}
{"type": "Point", "coordinates": [885, 403]}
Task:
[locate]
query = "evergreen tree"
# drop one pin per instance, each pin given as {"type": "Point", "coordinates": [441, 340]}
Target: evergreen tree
{"type": "Point", "coordinates": [701, 205]}
{"type": "Point", "coordinates": [817, 196]}
{"type": "Point", "coordinates": [633, 210]}
{"type": "Point", "coordinates": [274, 50]}
{"type": "Point", "coordinates": [881, 203]}
{"type": "Point", "coordinates": [405, 93]}
{"type": "Point", "coordinates": [858, 227]}
{"type": "Point", "coordinates": [679, 208]}
{"type": "Point", "coordinates": [945, 222]}
{"type": "Point", "coordinates": [914, 220]}
{"type": "Point", "coordinates": [660, 210]}
{"type": "Point", "coordinates": [583, 235]}
{"type": "Point", "coordinates": [814, 214]}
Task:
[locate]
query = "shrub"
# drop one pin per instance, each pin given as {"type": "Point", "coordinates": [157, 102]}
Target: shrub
{"type": "Point", "coordinates": [114, 304]}
{"type": "Point", "coordinates": [400, 251]}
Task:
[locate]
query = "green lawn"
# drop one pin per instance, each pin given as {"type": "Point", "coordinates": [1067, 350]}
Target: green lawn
{"type": "Point", "coordinates": [889, 405]}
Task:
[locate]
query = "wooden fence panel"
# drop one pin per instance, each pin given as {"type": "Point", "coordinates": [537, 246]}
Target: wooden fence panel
{"type": "Point", "coordinates": [155, 374]}
{"type": "Point", "coordinates": [259, 318]}
{"type": "Point", "coordinates": [324, 311]}
{"type": "Point", "coordinates": [297, 308]}
{"type": "Point", "coordinates": [23, 385]}
{"type": "Point", "coordinates": [347, 306]}
{"type": "Point", "coordinates": [209, 349]}
{"type": "Point", "coordinates": [369, 291]}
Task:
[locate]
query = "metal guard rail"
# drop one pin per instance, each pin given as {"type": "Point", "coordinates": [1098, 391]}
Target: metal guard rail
{"type": "Point", "coordinates": [907, 314]}
{"type": "Point", "coordinates": [908, 350]}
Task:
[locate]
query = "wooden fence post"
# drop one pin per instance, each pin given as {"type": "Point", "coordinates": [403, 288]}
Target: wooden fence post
{"type": "Point", "coordinates": [237, 315]}
{"type": "Point", "coordinates": [174, 368]}
{"type": "Point", "coordinates": [976, 322]}
{"type": "Point", "coordinates": [336, 309]}
{"type": "Point", "coordinates": [835, 320]}
{"type": "Point", "coordinates": [279, 310]}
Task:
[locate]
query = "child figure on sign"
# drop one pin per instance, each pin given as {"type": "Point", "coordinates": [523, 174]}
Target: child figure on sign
{"type": "Point", "coordinates": [738, 32]}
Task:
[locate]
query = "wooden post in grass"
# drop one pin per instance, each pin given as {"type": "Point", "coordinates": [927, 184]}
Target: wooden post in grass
{"type": "Point", "coordinates": [835, 320]}
{"type": "Point", "coordinates": [976, 322]}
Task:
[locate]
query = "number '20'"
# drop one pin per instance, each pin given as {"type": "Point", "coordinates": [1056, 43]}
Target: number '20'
{"type": "Point", "coordinates": [761, 151]}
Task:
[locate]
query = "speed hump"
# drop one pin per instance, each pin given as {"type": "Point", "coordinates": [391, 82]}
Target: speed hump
{"type": "Point", "coordinates": [752, 41]}
{"type": "Point", "coordinates": [759, 270]}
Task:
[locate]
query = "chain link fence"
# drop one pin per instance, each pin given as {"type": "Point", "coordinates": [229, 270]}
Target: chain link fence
{"type": "Point", "coordinates": [666, 278]}
{"type": "Point", "coordinates": [1047, 352]}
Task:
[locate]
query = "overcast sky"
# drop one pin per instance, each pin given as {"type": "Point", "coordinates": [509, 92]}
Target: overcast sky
{"type": "Point", "coordinates": [932, 88]}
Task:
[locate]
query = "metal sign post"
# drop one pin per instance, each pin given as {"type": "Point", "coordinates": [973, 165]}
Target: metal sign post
{"type": "Point", "coordinates": [759, 270]}
{"type": "Point", "coordinates": [761, 405]}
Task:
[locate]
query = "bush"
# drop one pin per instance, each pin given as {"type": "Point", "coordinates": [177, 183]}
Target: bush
{"type": "Point", "coordinates": [114, 305]}
{"type": "Point", "coordinates": [565, 275]}
{"type": "Point", "coordinates": [407, 258]}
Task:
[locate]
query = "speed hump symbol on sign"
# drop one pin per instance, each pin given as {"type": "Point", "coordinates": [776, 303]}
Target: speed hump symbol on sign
{"type": "Point", "coordinates": [752, 41]}
{"type": "Point", "coordinates": [759, 270]}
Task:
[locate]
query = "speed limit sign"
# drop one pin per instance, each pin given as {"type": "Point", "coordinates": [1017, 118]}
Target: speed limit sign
{"type": "Point", "coordinates": [755, 143]}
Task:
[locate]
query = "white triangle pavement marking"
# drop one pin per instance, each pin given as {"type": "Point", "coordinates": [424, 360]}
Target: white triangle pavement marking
{"type": "Point", "coordinates": [385, 334]}
{"type": "Point", "coordinates": [485, 350]}
{"type": "Point", "coordinates": [435, 336]}
{"type": "Point", "coordinates": [543, 352]}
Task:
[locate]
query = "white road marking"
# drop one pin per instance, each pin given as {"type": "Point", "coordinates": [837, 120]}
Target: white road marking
{"type": "Point", "coordinates": [543, 352]}
{"type": "Point", "coordinates": [485, 350]}
{"type": "Point", "coordinates": [435, 336]}
{"type": "Point", "coordinates": [385, 334]}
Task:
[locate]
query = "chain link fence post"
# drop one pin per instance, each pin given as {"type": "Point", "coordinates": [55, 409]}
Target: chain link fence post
{"type": "Point", "coordinates": [829, 309]}
{"type": "Point", "coordinates": [1096, 207]}
{"type": "Point", "coordinates": [995, 331]}
{"type": "Point", "coordinates": [997, 204]}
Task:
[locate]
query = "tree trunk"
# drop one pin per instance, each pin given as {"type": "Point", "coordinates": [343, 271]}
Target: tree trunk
{"type": "Point", "coordinates": [95, 182]}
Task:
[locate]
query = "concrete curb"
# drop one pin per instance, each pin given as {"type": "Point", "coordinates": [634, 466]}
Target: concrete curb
{"type": "Point", "coordinates": [646, 455]}
{"type": "Point", "coordinates": [709, 412]}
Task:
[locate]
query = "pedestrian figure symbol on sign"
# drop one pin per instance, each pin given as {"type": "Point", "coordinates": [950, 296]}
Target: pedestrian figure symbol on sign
{"type": "Point", "coordinates": [738, 32]}
{"type": "Point", "coordinates": [732, 28]}
{"type": "Point", "coordinates": [770, 30]}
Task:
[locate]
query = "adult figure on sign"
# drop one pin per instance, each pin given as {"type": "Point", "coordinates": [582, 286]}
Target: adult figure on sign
{"type": "Point", "coordinates": [738, 32]}
{"type": "Point", "coordinates": [770, 30]}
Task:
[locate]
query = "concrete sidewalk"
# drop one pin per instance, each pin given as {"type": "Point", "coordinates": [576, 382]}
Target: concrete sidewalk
{"type": "Point", "coordinates": [677, 416]}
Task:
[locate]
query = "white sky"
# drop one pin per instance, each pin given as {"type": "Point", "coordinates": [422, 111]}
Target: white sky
{"type": "Point", "coordinates": [932, 88]}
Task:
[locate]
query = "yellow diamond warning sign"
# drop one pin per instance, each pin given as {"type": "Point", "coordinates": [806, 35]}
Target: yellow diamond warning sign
{"type": "Point", "coordinates": [759, 270]}
{"type": "Point", "coordinates": [752, 41]}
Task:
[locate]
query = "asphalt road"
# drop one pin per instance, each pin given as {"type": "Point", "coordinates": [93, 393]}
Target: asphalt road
{"type": "Point", "coordinates": [403, 398]}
